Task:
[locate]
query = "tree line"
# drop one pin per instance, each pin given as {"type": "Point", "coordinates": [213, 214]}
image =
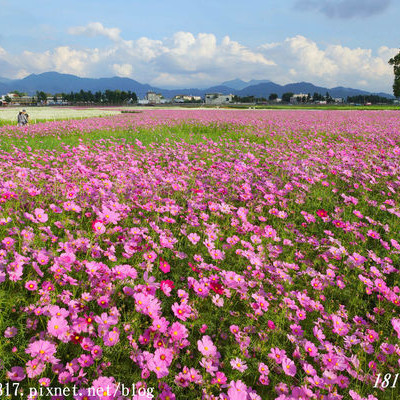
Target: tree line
{"type": "Point", "coordinates": [106, 97]}
{"type": "Point", "coordinates": [372, 98]}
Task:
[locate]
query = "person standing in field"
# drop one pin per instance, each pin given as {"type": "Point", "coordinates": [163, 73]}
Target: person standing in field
{"type": "Point", "coordinates": [22, 118]}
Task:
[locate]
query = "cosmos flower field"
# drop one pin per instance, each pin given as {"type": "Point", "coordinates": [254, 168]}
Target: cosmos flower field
{"type": "Point", "coordinates": [203, 254]}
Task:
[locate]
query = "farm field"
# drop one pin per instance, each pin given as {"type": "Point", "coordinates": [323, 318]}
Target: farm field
{"type": "Point", "coordinates": [41, 114]}
{"type": "Point", "coordinates": [202, 254]}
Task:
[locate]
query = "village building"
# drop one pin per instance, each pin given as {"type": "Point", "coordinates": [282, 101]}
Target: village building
{"type": "Point", "coordinates": [182, 98]}
{"type": "Point", "coordinates": [218, 98]}
{"type": "Point", "coordinates": [298, 98]}
{"type": "Point", "coordinates": [153, 98]}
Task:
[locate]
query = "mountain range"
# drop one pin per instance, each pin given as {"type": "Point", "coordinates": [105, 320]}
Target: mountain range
{"type": "Point", "coordinates": [54, 82]}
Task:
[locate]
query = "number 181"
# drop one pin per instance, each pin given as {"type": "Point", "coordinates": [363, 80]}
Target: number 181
{"type": "Point", "coordinates": [386, 381]}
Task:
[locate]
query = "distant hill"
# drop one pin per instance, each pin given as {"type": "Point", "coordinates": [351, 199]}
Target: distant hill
{"type": "Point", "coordinates": [4, 80]}
{"type": "Point", "coordinates": [265, 89]}
{"type": "Point", "coordinates": [238, 84]}
{"type": "Point", "coordinates": [54, 82]}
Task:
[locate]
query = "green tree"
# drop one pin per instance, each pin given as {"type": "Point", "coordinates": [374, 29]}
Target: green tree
{"type": "Point", "coordinates": [272, 96]}
{"type": "Point", "coordinates": [318, 97]}
{"type": "Point", "coordinates": [41, 96]}
{"type": "Point", "coordinates": [7, 99]}
{"type": "Point", "coordinates": [286, 97]}
{"type": "Point", "coordinates": [395, 61]}
{"type": "Point", "coordinates": [329, 98]}
{"type": "Point", "coordinates": [18, 93]}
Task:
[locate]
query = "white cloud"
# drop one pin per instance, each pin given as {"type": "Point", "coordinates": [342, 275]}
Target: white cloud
{"type": "Point", "coordinates": [333, 65]}
{"type": "Point", "coordinates": [62, 59]}
{"type": "Point", "coordinates": [96, 29]}
{"type": "Point", "coordinates": [308, 56]}
{"type": "Point", "coordinates": [188, 60]}
{"type": "Point", "coordinates": [123, 70]}
{"type": "Point", "coordinates": [387, 53]}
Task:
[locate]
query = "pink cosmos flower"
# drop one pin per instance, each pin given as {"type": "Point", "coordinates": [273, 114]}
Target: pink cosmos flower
{"type": "Point", "coordinates": [106, 320]}
{"type": "Point", "coordinates": [42, 349]}
{"type": "Point", "coordinates": [309, 369]}
{"type": "Point", "coordinates": [42, 257]}
{"type": "Point", "coordinates": [301, 314]}
{"type": "Point", "coordinates": [67, 258]}
{"type": "Point", "coordinates": [373, 234]}
{"type": "Point", "coordinates": [167, 286]}
{"type": "Point", "coordinates": [396, 325]}
{"type": "Point", "coordinates": [44, 382]}
{"type": "Point", "coordinates": [271, 325]}
{"type": "Point", "coordinates": [195, 376]}
{"type": "Point", "coordinates": [105, 388]}
{"type": "Point", "coordinates": [98, 227]}
{"type": "Point", "coordinates": [234, 329]}
{"type": "Point", "coordinates": [31, 285]}
{"type": "Point", "coordinates": [103, 301]}
{"type": "Point", "coordinates": [263, 369]}
{"type": "Point", "coordinates": [109, 216]}
{"type": "Point", "coordinates": [150, 256]}
{"type": "Point", "coordinates": [311, 349]}
{"type": "Point", "coordinates": [339, 327]}
{"type": "Point", "coordinates": [111, 338]}
{"type": "Point", "coordinates": [206, 346]}
{"type": "Point", "coordinates": [238, 364]}
{"type": "Point", "coordinates": [177, 331]}
{"type": "Point", "coordinates": [181, 311]}
{"type": "Point", "coordinates": [372, 335]}
{"type": "Point", "coordinates": [40, 215]}
{"type": "Point", "coordinates": [164, 266]}
{"type": "Point", "coordinates": [8, 242]}
{"type": "Point", "coordinates": [237, 390]}
{"type": "Point", "coordinates": [159, 369]}
{"type": "Point", "coordinates": [322, 213]}
{"type": "Point", "coordinates": [277, 354]}
{"type": "Point", "coordinates": [96, 352]}
{"type": "Point", "coordinates": [194, 238]}
{"type": "Point", "coordinates": [35, 367]}
{"type": "Point", "coordinates": [10, 332]}
{"type": "Point", "coordinates": [201, 289]}
{"type": "Point", "coordinates": [219, 379]}
{"type": "Point", "coordinates": [160, 324]}
{"type": "Point", "coordinates": [182, 380]}
{"type": "Point", "coordinates": [216, 254]}
{"type": "Point", "coordinates": [163, 356]}
{"type": "Point", "coordinates": [17, 374]}
{"type": "Point", "coordinates": [288, 367]}
{"type": "Point", "coordinates": [342, 381]}
{"type": "Point", "coordinates": [57, 326]}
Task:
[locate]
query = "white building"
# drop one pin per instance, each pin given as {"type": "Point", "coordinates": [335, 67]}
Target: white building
{"type": "Point", "coordinates": [154, 98]}
{"type": "Point", "coordinates": [297, 98]}
{"type": "Point", "coordinates": [218, 98]}
{"type": "Point", "coordinates": [182, 98]}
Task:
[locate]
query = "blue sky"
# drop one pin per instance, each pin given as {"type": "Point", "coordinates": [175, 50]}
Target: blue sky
{"type": "Point", "coordinates": [180, 43]}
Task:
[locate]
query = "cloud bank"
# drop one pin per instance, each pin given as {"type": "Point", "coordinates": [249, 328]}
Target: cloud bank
{"type": "Point", "coordinates": [344, 8]}
{"type": "Point", "coordinates": [188, 60]}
